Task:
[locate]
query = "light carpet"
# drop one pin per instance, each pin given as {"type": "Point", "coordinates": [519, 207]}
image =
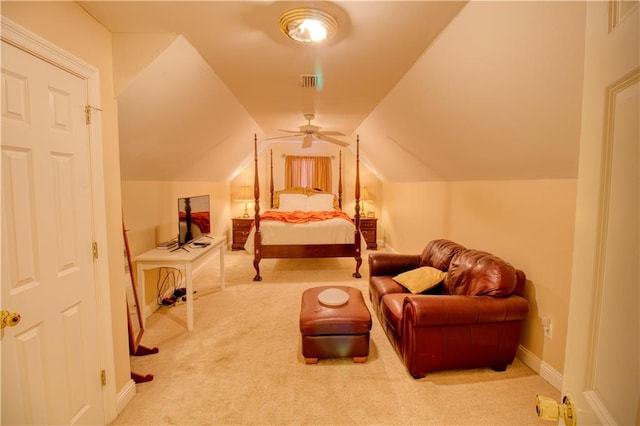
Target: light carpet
{"type": "Point", "coordinates": [242, 363]}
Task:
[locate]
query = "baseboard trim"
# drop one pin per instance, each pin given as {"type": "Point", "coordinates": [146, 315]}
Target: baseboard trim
{"type": "Point", "coordinates": [387, 247]}
{"type": "Point", "coordinates": [545, 371]}
{"type": "Point", "coordinates": [125, 396]}
{"type": "Point", "coordinates": [149, 309]}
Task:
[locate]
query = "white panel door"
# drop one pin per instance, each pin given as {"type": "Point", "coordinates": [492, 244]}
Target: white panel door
{"type": "Point", "coordinates": [602, 366]}
{"type": "Point", "coordinates": [50, 360]}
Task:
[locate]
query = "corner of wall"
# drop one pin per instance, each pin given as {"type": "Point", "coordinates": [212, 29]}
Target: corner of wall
{"type": "Point", "coordinates": [545, 371]}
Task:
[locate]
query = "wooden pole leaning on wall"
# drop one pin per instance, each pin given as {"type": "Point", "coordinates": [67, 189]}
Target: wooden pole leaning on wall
{"type": "Point", "coordinates": [134, 313]}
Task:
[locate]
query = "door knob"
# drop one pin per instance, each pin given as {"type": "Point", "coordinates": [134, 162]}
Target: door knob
{"type": "Point", "coordinates": [548, 409]}
{"type": "Point", "coordinates": [8, 319]}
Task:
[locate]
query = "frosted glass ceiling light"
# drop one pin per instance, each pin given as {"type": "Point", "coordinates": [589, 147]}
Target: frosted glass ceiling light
{"type": "Point", "coordinates": [308, 26]}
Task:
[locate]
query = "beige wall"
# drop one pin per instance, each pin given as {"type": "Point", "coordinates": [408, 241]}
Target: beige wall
{"type": "Point", "coordinates": [414, 213]}
{"type": "Point", "coordinates": [528, 223]}
{"type": "Point", "coordinates": [66, 25]}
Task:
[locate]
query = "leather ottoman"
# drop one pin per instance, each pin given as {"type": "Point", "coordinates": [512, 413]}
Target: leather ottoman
{"type": "Point", "coordinates": [334, 331]}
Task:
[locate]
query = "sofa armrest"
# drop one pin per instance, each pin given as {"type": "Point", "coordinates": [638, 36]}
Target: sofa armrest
{"type": "Point", "coordinates": [391, 264]}
{"type": "Point", "coordinates": [439, 310]}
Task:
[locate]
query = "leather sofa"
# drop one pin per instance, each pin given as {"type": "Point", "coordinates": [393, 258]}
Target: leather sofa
{"type": "Point", "coordinates": [471, 319]}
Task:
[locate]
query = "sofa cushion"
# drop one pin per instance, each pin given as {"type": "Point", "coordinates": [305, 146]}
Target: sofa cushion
{"type": "Point", "coordinates": [438, 253]}
{"type": "Point", "coordinates": [391, 307]}
{"type": "Point", "coordinates": [420, 279]}
{"type": "Point", "coordinates": [478, 273]}
{"type": "Point", "coordinates": [379, 286]}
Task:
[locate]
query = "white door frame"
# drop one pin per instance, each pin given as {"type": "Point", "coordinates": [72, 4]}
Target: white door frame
{"type": "Point", "coordinates": [25, 40]}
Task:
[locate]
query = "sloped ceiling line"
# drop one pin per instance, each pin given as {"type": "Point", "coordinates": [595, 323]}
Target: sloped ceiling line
{"type": "Point", "coordinates": [134, 52]}
{"type": "Point", "coordinates": [454, 82]}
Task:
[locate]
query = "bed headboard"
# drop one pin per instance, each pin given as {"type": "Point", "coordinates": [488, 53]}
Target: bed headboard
{"type": "Point", "coordinates": [275, 199]}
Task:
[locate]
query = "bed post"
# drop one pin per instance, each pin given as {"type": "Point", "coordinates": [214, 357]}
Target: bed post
{"type": "Point", "coordinates": [340, 181]}
{"type": "Point", "coordinates": [271, 178]}
{"type": "Point", "coordinates": [257, 245]}
{"type": "Point", "coordinates": [356, 237]}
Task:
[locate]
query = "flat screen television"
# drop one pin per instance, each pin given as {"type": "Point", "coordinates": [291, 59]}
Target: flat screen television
{"type": "Point", "coordinates": [194, 219]}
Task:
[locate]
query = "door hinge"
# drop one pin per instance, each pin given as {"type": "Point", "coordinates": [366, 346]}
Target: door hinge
{"type": "Point", "coordinates": [94, 250]}
{"type": "Point", "coordinates": [103, 377]}
{"type": "Point", "coordinates": [87, 113]}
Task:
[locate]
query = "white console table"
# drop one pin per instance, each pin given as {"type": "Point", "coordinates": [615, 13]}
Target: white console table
{"type": "Point", "coordinates": [191, 258]}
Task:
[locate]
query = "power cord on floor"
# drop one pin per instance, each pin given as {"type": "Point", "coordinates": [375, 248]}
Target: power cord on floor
{"type": "Point", "coordinates": [170, 286]}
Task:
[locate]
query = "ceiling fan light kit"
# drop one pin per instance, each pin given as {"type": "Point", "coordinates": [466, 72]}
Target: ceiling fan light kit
{"type": "Point", "coordinates": [308, 26]}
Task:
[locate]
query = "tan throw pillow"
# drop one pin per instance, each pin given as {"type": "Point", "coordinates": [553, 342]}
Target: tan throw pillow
{"type": "Point", "coordinates": [420, 279]}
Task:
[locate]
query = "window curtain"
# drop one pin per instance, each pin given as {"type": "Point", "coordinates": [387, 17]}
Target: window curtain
{"type": "Point", "coordinates": [308, 172]}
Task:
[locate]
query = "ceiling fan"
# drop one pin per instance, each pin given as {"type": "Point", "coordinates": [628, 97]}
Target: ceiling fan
{"type": "Point", "coordinates": [309, 132]}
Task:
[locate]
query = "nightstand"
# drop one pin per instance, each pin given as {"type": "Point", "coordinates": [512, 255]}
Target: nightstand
{"type": "Point", "coordinates": [369, 230]}
{"type": "Point", "coordinates": [240, 232]}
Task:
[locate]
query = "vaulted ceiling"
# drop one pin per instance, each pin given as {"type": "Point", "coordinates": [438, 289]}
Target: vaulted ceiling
{"type": "Point", "coordinates": [436, 90]}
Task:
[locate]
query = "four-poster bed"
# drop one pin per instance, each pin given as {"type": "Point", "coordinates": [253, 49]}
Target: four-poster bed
{"type": "Point", "coordinates": [267, 239]}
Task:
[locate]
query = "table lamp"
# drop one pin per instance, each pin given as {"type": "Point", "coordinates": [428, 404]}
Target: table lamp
{"type": "Point", "coordinates": [366, 198]}
{"type": "Point", "coordinates": [245, 197]}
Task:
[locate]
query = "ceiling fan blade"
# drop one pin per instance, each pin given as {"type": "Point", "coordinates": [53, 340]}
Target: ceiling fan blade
{"type": "Point", "coordinates": [290, 131]}
{"type": "Point", "coordinates": [306, 141]}
{"type": "Point", "coordinates": [309, 131]}
{"type": "Point", "coordinates": [285, 136]}
{"type": "Point", "coordinates": [331, 133]}
{"type": "Point", "coordinates": [324, 137]}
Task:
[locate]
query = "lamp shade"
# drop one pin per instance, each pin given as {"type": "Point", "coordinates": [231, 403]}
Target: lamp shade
{"type": "Point", "coordinates": [365, 195]}
{"type": "Point", "coordinates": [245, 194]}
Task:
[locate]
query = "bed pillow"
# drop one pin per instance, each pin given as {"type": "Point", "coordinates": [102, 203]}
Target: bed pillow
{"type": "Point", "coordinates": [420, 279]}
{"type": "Point", "coordinates": [320, 202]}
{"type": "Point", "coordinates": [292, 202]}
{"type": "Point", "coordinates": [276, 195]}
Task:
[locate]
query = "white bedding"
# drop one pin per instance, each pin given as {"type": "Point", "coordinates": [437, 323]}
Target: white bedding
{"type": "Point", "coordinates": [331, 231]}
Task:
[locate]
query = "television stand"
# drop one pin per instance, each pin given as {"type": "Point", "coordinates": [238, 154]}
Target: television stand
{"type": "Point", "coordinates": [189, 261]}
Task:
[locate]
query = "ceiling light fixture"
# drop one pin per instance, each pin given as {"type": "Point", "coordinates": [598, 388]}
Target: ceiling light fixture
{"type": "Point", "coordinates": [308, 26]}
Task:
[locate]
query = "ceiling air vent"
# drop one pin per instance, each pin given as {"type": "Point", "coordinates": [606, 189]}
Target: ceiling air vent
{"type": "Point", "coordinates": [309, 80]}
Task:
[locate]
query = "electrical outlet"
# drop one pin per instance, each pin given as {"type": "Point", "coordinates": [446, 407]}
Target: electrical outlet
{"type": "Point", "coordinates": [547, 327]}
{"type": "Point", "coordinates": [548, 331]}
